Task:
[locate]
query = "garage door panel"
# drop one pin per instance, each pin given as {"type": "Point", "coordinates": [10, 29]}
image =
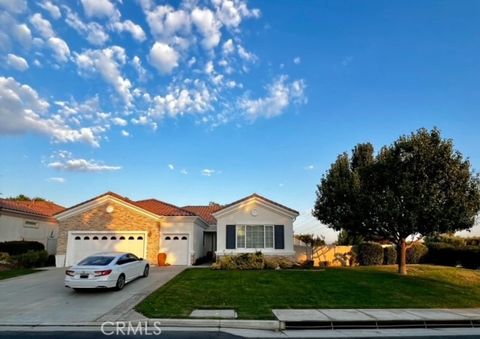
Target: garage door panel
{"type": "Point", "coordinates": [86, 244]}
{"type": "Point", "coordinates": [176, 248]}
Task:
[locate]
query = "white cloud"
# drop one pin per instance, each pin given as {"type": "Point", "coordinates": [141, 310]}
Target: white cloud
{"type": "Point", "coordinates": [142, 72]}
{"type": "Point", "coordinates": [58, 180]}
{"type": "Point", "coordinates": [61, 51]}
{"type": "Point", "coordinates": [171, 167]}
{"type": "Point", "coordinates": [92, 31]}
{"type": "Point", "coordinates": [246, 55]}
{"type": "Point", "coordinates": [231, 12]}
{"type": "Point", "coordinates": [107, 63]}
{"type": "Point", "coordinates": [42, 25]}
{"type": "Point", "coordinates": [82, 165]}
{"type": "Point", "coordinates": [128, 26]}
{"type": "Point", "coordinates": [52, 9]}
{"type": "Point", "coordinates": [163, 57]}
{"type": "Point", "coordinates": [208, 26]}
{"type": "Point", "coordinates": [228, 47]}
{"type": "Point", "coordinates": [281, 94]}
{"type": "Point", "coordinates": [16, 62]}
{"type": "Point", "coordinates": [119, 121]}
{"type": "Point", "coordinates": [125, 133]}
{"type": "Point", "coordinates": [184, 172]}
{"type": "Point", "coordinates": [181, 100]}
{"type": "Point", "coordinates": [166, 23]}
{"type": "Point", "coordinates": [14, 6]}
{"type": "Point", "coordinates": [297, 60]}
{"type": "Point", "coordinates": [309, 167]}
{"type": "Point", "coordinates": [98, 8]}
{"type": "Point", "coordinates": [22, 110]}
{"type": "Point", "coordinates": [209, 172]}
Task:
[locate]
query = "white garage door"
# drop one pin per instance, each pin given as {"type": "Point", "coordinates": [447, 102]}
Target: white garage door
{"type": "Point", "coordinates": [176, 248]}
{"type": "Point", "coordinates": [82, 244]}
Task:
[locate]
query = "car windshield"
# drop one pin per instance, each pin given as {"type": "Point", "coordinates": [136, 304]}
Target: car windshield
{"type": "Point", "coordinates": [96, 261]}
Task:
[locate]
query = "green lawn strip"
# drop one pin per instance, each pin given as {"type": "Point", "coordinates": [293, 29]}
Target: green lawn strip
{"type": "Point", "coordinates": [15, 272]}
{"type": "Point", "coordinates": [253, 294]}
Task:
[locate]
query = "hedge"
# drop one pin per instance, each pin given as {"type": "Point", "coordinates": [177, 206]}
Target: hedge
{"type": "Point", "coordinates": [416, 253]}
{"type": "Point", "coordinates": [370, 253]}
{"type": "Point", "coordinates": [31, 259]}
{"type": "Point", "coordinates": [389, 255]}
{"type": "Point", "coordinates": [20, 247]}
{"type": "Point", "coordinates": [450, 255]}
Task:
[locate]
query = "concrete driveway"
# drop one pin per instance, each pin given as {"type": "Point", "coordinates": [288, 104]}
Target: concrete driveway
{"type": "Point", "coordinates": [41, 298]}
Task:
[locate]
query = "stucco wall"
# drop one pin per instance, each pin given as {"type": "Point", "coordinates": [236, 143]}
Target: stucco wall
{"type": "Point", "coordinates": [175, 225]}
{"type": "Point", "coordinates": [121, 219]}
{"type": "Point", "coordinates": [265, 216]}
{"type": "Point", "coordinates": [13, 228]}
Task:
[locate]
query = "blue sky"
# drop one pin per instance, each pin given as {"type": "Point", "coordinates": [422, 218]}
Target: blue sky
{"type": "Point", "coordinates": [193, 101]}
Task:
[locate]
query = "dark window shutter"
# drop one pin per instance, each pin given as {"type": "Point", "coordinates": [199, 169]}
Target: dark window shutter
{"type": "Point", "coordinates": [279, 237]}
{"type": "Point", "coordinates": [230, 244]}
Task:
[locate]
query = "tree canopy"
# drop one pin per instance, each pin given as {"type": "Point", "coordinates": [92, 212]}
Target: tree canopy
{"type": "Point", "coordinates": [419, 185]}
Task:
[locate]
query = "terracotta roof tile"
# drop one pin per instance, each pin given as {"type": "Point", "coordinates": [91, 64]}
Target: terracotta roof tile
{"type": "Point", "coordinates": [162, 208]}
{"type": "Point", "coordinates": [205, 212]}
{"type": "Point", "coordinates": [33, 207]}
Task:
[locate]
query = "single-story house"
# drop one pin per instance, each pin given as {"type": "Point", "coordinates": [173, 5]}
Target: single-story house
{"type": "Point", "coordinates": [29, 220]}
{"type": "Point", "coordinates": [150, 227]}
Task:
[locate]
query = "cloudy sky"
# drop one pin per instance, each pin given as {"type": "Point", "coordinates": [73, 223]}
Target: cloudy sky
{"type": "Point", "coordinates": [198, 101]}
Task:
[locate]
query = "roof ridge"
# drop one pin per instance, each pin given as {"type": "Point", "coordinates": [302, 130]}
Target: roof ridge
{"type": "Point", "coordinates": [169, 204]}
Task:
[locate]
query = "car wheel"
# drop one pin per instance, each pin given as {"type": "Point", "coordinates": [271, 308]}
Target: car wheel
{"type": "Point", "coordinates": [146, 271]}
{"type": "Point", "coordinates": [120, 282]}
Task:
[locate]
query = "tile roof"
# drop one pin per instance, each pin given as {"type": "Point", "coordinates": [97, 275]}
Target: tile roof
{"type": "Point", "coordinates": [151, 205]}
{"type": "Point", "coordinates": [205, 212]}
{"type": "Point", "coordinates": [32, 207]}
{"type": "Point", "coordinates": [255, 195]}
{"type": "Point", "coordinates": [162, 208]}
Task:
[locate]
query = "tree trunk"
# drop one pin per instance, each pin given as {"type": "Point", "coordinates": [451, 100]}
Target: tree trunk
{"type": "Point", "coordinates": [402, 257]}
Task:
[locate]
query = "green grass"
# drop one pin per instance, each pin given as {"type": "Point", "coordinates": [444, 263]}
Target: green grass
{"type": "Point", "coordinates": [15, 272]}
{"type": "Point", "coordinates": [253, 294]}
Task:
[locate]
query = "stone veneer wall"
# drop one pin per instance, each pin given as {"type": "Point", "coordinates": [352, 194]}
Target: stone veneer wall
{"type": "Point", "coordinates": [121, 219]}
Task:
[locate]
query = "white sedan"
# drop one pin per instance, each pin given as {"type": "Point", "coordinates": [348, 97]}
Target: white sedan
{"type": "Point", "coordinates": [106, 270]}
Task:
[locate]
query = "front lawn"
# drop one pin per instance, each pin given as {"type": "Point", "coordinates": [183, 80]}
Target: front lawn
{"type": "Point", "coordinates": [15, 272]}
{"type": "Point", "coordinates": [253, 294]}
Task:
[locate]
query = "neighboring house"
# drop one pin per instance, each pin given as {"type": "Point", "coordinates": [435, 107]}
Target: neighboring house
{"type": "Point", "coordinates": [30, 220]}
{"type": "Point", "coordinates": [149, 227]}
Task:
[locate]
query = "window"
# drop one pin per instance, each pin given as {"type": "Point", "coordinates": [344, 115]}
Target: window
{"type": "Point", "coordinates": [95, 238]}
{"type": "Point", "coordinates": [254, 236]}
{"type": "Point", "coordinates": [131, 238]}
{"type": "Point", "coordinates": [30, 224]}
{"type": "Point", "coordinates": [96, 261]}
{"type": "Point", "coordinates": [122, 238]}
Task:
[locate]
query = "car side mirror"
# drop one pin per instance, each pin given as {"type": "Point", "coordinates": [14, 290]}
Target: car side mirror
{"type": "Point", "coordinates": [140, 259]}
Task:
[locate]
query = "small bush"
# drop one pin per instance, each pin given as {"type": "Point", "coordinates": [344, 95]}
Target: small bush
{"type": "Point", "coordinates": [389, 255]}
{"type": "Point", "coordinates": [19, 247]}
{"type": "Point", "coordinates": [252, 261]}
{"type": "Point", "coordinates": [31, 259]}
{"type": "Point", "coordinates": [416, 253]}
{"type": "Point", "coordinates": [370, 253]}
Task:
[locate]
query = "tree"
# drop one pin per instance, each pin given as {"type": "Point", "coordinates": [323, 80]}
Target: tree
{"type": "Point", "coordinates": [347, 239]}
{"type": "Point", "coordinates": [418, 186]}
{"type": "Point", "coordinates": [23, 197]}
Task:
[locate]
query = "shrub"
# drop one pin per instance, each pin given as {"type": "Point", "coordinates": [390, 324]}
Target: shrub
{"type": "Point", "coordinates": [31, 259]}
{"type": "Point", "coordinates": [252, 261]}
{"type": "Point", "coordinates": [389, 255]}
{"type": "Point", "coordinates": [450, 255]}
{"type": "Point", "coordinates": [370, 253]}
{"type": "Point", "coordinates": [19, 247]}
{"type": "Point", "coordinates": [416, 253]}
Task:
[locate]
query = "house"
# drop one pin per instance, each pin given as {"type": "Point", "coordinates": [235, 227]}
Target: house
{"type": "Point", "coordinates": [30, 220]}
{"type": "Point", "coordinates": [150, 227]}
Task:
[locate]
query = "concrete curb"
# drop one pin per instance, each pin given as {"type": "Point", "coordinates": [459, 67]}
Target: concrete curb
{"type": "Point", "coordinates": [270, 325]}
